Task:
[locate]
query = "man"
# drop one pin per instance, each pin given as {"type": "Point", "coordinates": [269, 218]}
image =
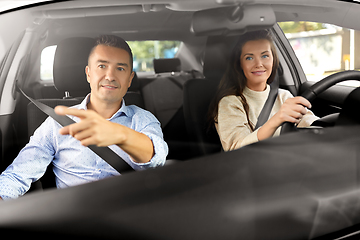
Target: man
{"type": "Point", "coordinates": [132, 133]}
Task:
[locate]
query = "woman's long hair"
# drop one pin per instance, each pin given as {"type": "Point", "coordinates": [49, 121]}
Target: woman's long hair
{"type": "Point", "coordinates": [234, 81]}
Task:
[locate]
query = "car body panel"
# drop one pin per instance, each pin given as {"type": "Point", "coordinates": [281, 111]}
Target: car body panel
{"type": "Point", "coordinates": [255, 192]}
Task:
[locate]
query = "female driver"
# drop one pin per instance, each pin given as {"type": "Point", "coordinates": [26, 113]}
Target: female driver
{"type": "Point", "coordinates": [243, 90]}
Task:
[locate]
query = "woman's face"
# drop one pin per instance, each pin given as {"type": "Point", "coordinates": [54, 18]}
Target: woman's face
{"type": "Point", "coordinates": [256, 61]}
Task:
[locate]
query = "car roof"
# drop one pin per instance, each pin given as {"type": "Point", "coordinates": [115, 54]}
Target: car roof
{"type": "Point", "coordinates": [81, 17]}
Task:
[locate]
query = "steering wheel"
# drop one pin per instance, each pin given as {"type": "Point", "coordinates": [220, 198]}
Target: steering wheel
{"type": "Point", "coordinates": [311, 93]}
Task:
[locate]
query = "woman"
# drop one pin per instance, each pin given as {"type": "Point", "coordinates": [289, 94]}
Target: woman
{"type": "Point", "coordinates": [243, 90]}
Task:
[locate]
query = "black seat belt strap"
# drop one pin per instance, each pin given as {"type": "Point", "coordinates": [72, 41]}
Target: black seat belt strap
{"type": "Point", "coordinates": [108, 155]}
{"type": "Point", "coordinates": [266, 110]}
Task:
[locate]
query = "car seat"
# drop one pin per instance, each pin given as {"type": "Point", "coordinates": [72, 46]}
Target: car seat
{"type": "Point", "coordinates": [198, 94]}
{"type": "Point", "coordinates": [163, 96]}
{"type": "Point", "coordinates": [70, 60]}
{"type": "Point", "coordinates": [162, 65]}
{"type": "Point", "coordinates": [163, 92]}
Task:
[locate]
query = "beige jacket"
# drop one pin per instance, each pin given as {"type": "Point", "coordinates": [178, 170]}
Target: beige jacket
{"type": "Point", "coordinates": [233, 128]}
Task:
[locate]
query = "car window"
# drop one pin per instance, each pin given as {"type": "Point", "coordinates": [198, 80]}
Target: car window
{"type": "Point", "coordinates": [323, 49]}
{"type": "Point", "coordinates": [47, 62]}
{"type": "Point", "coordinates": [143, 53]}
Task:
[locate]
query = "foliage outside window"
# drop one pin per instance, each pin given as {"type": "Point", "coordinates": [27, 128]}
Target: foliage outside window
{"type": "Point", "coordinates": [145, 51]}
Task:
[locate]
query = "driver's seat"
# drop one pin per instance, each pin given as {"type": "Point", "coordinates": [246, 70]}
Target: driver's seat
{"type": "Point", "coordinates": [198, 94]}
{"type": "Point", "coordinates": [70, 59]}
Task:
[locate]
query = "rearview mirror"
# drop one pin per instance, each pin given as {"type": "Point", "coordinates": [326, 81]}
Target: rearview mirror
{"type": "Point", "coordinates": [232, 20]}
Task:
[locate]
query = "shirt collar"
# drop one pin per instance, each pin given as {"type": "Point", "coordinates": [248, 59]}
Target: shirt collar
{"type": "Point", "coordinates": [123, 109]}
{"type": "Point", "coordinates": [248, 91]}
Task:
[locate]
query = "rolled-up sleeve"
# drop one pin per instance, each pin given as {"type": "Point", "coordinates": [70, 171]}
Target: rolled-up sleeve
{"type": "Point", "coordinates": [146, 123]}
{"type": "Point", "coordinates": [29, 165]}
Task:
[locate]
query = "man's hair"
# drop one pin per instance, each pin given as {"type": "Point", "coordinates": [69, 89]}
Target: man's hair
{"type": "Point", "coordinates": [114, 41]}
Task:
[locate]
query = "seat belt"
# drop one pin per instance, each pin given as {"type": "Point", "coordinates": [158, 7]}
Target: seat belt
{"type": "Point", "coordinates": [265, 111]}
{"type": "Point", "coordinates": [108, 155]}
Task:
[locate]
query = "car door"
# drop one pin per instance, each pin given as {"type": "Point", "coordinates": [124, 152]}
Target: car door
{"type": "Point", "coordinates": [6, 118]}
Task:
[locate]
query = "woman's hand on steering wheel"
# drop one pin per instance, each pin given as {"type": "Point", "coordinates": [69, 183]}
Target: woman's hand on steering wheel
{"type": "Point", "coordinates": [319, 87]}
{"type": "Point", "coordinates": [292, 110]}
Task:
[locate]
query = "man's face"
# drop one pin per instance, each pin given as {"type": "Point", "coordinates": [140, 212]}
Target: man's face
{"type": "Point", "coordinates": [109, 74]}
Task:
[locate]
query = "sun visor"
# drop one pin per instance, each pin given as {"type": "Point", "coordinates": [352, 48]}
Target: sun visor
{"type": "Point", "coordinates": [232, 20]}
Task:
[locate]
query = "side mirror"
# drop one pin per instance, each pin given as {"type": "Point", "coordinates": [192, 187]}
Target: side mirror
{"type": "Point", "coordinates": [232, 20]}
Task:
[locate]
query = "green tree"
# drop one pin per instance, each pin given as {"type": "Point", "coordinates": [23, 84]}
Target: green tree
{"type": "Point", "coordinates": [145, 51]}
{"type": "Point", "coordinates": [151, 49]}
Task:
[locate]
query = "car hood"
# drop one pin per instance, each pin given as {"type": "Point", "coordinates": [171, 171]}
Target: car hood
{"type": "Point", "coordinates": [306, 181]}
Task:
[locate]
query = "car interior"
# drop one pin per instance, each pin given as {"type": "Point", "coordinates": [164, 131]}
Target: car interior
{"type": "Point", "coordinates": [177, 90]}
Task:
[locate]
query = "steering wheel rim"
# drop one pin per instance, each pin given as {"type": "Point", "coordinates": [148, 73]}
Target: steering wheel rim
{"type": "Point", "coordinates": [312, 93]}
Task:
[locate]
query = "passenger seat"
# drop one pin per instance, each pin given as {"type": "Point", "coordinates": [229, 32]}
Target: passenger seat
{"type": "Point", "coordinates": [70, 60]}
{"type": "Point", "coordinates": [69, 77]}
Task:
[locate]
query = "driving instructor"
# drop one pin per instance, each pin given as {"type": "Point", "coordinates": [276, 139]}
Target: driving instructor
{"type": "Point", "coordinates": [102, 119]}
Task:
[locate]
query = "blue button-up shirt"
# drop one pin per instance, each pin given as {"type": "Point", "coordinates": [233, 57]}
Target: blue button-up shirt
{"type": "Point", "coordinates": [74, 164]}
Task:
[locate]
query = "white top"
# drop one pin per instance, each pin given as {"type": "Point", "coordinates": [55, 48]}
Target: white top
{"type": "Point", "coordinates": [233, 127]}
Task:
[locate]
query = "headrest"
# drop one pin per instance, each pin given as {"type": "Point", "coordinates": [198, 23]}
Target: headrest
{"type": "Point", "coordinates": [162, 65]}
{"type": "Point", "coordinates": [217, 55]}
{"type": "Point", "coordinates": [70, 60]}
{"type": "Point", "coordinates": [135, 84]}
